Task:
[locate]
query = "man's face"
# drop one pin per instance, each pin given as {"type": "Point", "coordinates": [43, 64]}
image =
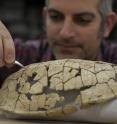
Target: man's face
{"type": "Point", "coordinates": [73, 28]}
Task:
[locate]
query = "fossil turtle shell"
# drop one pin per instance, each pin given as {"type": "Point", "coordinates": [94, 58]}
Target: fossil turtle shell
{"type": "Point", "coordinates": [53, 89]}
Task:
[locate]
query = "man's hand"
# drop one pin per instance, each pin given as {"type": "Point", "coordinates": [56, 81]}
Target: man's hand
{"type": "Point", "coordinates": [7, 48]}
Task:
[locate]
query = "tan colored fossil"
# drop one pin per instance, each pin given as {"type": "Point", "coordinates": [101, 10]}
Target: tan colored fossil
{"type": "Point", "coordinates": [53, 89]}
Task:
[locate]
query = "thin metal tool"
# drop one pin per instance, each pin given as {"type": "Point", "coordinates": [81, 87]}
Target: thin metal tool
{"type": "Point", "coordinates": [18, 63]}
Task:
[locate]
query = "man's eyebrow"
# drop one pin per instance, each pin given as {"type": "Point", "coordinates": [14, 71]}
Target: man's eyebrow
{"type": "Point", "coordinates": [53, 10]}
{"type": "Point", "coordinates": [85, 14]}
{"type": "Point", "coordinates": [81, 14]}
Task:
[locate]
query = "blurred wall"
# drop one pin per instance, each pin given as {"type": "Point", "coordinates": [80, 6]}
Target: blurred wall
{"type": "Point", "coordinates": [23, 18]}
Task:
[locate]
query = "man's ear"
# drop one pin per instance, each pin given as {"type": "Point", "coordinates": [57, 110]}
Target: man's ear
{"type": "Point", "coordinates": [109, 23]}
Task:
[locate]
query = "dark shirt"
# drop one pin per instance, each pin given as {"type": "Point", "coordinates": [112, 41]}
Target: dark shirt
{"type": "Point", "coordinates": [39, 51]}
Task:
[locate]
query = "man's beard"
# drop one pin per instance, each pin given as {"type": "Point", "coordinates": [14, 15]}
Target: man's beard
{"type": "Point", "coordinates": [67, 43]}
{"type": "Point", "coordinates": [63, 49]}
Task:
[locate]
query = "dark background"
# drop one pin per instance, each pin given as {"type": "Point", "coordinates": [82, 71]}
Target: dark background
{"type": "Point", "coordinates": [23, 18]}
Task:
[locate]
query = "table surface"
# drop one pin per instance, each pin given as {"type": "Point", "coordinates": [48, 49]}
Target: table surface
{"type": "Point", "coordinates": [11, 121]}
{"type": "Point", "coordinates": [4, 120]}
{"type": "Point", "coordinates": [32, 122]}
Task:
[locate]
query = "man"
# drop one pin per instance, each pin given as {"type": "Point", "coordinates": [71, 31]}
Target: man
{"type": "Point", "coordinates": [75, 29]}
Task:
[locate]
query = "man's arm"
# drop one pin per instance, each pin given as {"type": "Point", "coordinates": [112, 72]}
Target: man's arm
{"type": "Point", "coordinates": [29, 52]}
{"type": "Point", "coordinates": [7, 49]}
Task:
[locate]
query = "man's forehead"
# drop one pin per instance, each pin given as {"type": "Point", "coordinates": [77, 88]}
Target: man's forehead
{"type": "Point", "coordinates": [74, 5]}
{"type": "Point", "coordinates": [76, 1]}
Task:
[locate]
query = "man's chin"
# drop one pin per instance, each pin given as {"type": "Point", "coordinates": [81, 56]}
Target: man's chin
{"type": "Point", "coordinates": [67, 57]}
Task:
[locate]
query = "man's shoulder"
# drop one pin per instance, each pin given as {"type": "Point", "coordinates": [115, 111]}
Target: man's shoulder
{"type": "Point", "coordinates": [112, 47]}
{"type": "Point", "coordinates": [32, 51]}
{"type": "Point", "coordinates": [110, 51]}
{"type": "Point", "coordinates": [36, 43]}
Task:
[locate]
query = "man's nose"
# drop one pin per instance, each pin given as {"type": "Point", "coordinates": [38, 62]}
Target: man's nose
{"type": "Point", "coordinates": [67, 30]}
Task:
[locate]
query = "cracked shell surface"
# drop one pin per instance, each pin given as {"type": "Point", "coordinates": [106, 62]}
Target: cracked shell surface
{"type": "Point", "coordinates": [55, 88]}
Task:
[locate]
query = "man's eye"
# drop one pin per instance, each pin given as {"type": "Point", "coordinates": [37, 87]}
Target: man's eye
{"type": "Point", "coordinates": [56, 17]}
{"type": "Point", "coordinates": [82, 21]}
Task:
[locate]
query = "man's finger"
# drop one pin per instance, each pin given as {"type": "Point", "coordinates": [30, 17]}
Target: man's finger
{"type": "Point", "coordinates": [8, 45]}
{"type": "Point", "coordinates": [9, 50]}
{"type": "Point", "coordinates": [1, 53]}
